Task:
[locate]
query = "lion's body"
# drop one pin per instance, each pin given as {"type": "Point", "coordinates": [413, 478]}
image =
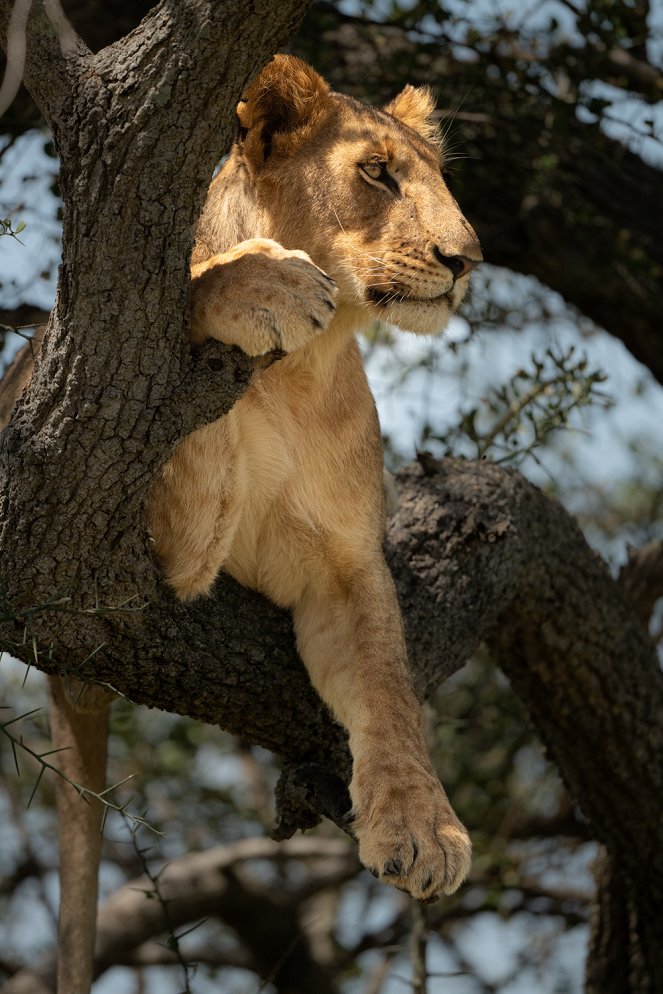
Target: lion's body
{"type": "Point", "coordinates": [298, 460]}
{"type": "Point", "coordinates": [285, 493]}
{"type": "Point", "coordinates": [268, 505]}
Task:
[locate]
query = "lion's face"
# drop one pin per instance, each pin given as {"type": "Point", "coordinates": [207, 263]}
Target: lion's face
{"type": "Point", "coordinates": [361, 190]}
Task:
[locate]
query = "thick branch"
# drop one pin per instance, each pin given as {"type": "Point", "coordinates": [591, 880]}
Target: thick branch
{"type": "Point", "coordinates": [478, 554]}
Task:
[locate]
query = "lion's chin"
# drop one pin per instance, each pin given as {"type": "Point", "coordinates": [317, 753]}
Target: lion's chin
{"type": "Point", "coordinates": [423, 317]}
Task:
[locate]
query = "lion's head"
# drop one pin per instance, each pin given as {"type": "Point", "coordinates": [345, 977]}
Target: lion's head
{"type": "Point", "coordinates": [361, 190]}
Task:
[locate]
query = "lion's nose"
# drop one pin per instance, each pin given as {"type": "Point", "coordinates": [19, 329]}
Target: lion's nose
{"type": "Point", "coordinates": [459, 265]}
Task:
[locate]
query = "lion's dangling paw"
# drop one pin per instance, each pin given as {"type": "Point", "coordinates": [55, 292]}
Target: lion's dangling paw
{"type": "Point", "coordinates": [409, 835]}
{"type": "Point", "coordinates": [262, 298]}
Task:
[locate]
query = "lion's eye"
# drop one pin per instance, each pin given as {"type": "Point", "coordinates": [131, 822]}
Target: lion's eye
{"type": "Point", "coordinates": [377, 173]}
{"type": "Point", "coordinates": [374, 169]}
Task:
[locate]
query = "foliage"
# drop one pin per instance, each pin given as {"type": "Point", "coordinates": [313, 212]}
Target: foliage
{"type": "Point", "coordinates": [517, 418]}
{"type": "Point", "coordinates": [7, 228]}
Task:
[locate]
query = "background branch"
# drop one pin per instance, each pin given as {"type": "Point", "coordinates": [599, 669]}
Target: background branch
{"type": "Point", "coordinates": [219, 884]}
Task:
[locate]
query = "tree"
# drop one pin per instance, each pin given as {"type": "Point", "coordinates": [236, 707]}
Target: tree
{"type": "Point", "coordinates": [477, 552]}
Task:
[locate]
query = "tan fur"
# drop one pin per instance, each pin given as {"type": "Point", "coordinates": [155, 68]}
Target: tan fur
{"type": "Point", "coordinates": [285, 492]}
{"type": "Point", "coordinates": [18, 374]}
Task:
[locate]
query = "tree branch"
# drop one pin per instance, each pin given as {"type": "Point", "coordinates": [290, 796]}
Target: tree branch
{"type": "Point", "coordinates": [54, 56]}
{"type": "Point", "coordinates": [23, 316]}
{"type": "Point", "coordinates": [641, 579]}
{"type": "Point", "coordinates": [514, 569]}
{"type": "Point", "coordinates": [477, 554]}
{"type": "Point", "coordinates": [138, 140]}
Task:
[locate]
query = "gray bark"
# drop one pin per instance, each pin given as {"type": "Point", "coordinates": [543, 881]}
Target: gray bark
{"type": "Point", "coordinates": [478, 554]}
{"type": "Point", "coordinates": [139, 127]}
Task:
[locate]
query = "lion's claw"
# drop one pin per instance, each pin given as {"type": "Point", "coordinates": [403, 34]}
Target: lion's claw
{"type": "Point", "coordinates": [412, 837]}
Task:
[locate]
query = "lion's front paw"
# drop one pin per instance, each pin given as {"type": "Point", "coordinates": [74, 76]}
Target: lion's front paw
{"type": "Point", "coordinates": [409, 835]}
{"type": "Point", "coordinates": [261, 297]}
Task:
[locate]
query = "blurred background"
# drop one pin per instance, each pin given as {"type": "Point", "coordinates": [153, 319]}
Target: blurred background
{"type": "Point", "coordinates": [553, 122]}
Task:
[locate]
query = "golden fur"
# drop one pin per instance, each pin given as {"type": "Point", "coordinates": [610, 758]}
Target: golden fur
{"type": "Point", "coordinates": [327, 215]}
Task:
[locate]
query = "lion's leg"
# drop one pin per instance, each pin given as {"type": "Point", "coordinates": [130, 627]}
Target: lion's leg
{"type": "Point", "coordinates": [260, 297]}
{"type": "Point", "coordinates": [194, 508]}
{"type": "Point", "coordinates": [350, 638]}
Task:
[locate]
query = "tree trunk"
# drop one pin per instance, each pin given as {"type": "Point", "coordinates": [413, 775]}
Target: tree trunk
{"type": "Point", "coordinates": [617, 960]}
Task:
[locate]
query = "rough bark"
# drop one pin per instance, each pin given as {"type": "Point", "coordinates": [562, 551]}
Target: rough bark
{"type": "Point", "coordinates": [139, 127]}
{"type": "Point", "coordinates": [478, 554]}
{"type": "Point", "coordinates": [578, 655]}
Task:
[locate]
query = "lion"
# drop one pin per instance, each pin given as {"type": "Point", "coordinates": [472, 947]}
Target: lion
{"type": "Point", "coordinates": [327, 216]}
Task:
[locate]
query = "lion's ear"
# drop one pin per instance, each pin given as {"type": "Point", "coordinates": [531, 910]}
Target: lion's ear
{"type": "Point", "coordinates": [284, 98]}
{"type": "Point", "coordinates": [414, 106]}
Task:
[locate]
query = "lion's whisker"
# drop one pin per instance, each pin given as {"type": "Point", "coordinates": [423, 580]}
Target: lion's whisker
{"type": "Point", "coordinates": [359, 253]}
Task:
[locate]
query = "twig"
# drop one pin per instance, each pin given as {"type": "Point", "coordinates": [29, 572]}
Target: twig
{"type": "Point", "coordinates": [418, 946]}
{"type": "Point", "coordinates": [173, 940]}
{"type": "Point", "coordinates": [85, 793]}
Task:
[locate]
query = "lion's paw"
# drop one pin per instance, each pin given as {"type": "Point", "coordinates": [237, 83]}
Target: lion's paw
{"type": "Point", "coordinates": [262, 298]}
{"type": "Point", "coordinates": [410, 837]}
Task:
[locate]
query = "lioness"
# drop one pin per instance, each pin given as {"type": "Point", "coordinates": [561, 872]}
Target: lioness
{"type": "Point", "coordinates": [327, 215]}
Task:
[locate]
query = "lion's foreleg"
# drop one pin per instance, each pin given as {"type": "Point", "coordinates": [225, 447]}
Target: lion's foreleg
{"type": "Point", "coordinates": [79, 727]}
{"type": "Point", "coordinates": [194, 506]}
{"type": "Point", "coordinates": [351, 640]}
{"type": "Point", "coordinates": [260, 297]}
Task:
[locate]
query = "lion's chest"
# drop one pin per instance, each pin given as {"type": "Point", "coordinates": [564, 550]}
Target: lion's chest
{"type": "Point", "coordinates": [309, 490]}
{"type": "Point", "coordinates": [280, 505]}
